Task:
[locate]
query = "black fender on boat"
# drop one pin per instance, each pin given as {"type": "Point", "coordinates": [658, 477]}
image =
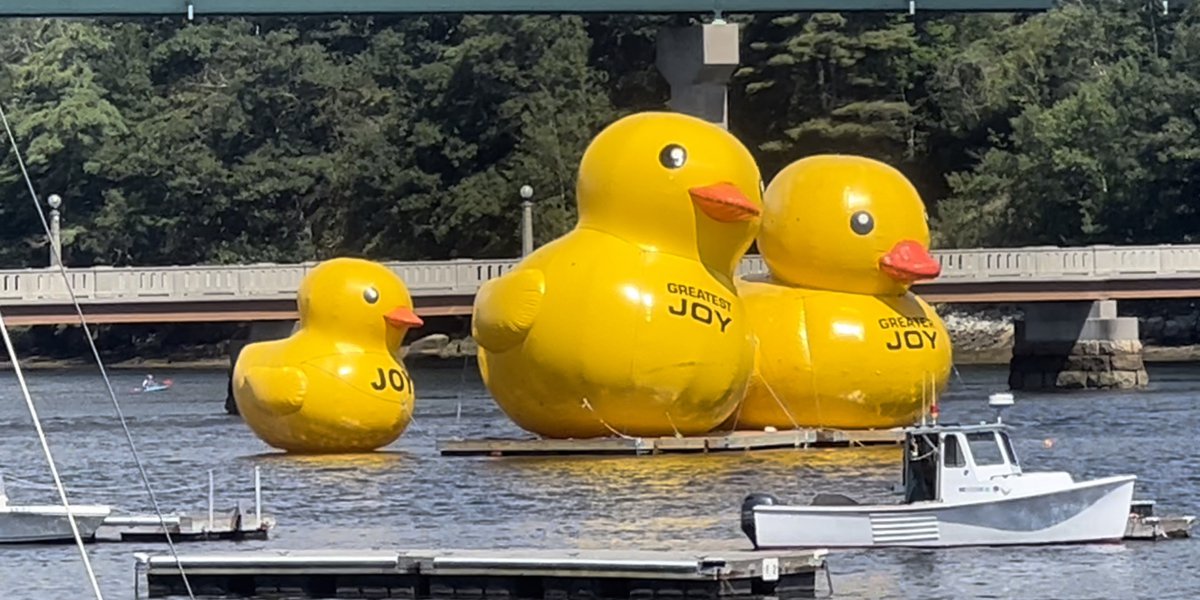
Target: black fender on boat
{"type": "Point", "coordinates": [752, 500]}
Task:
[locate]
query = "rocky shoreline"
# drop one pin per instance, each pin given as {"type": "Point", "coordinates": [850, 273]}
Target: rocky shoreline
{"type": "Point", "coordinates": [985, 335]}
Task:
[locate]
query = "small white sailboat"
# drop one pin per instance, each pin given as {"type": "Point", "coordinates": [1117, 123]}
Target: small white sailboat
{"type": "Point", "coordinates": [963, 486]}
{"type": "Point", "coordinates": [47, 523]}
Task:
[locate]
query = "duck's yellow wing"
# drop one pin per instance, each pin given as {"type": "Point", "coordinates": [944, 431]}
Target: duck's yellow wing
{"type": "Point", "coordinates": [506, 307]}
{"type": "Point", "coordinates": [280, 390]}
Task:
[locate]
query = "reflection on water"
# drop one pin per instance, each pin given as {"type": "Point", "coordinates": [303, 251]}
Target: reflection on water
{"type": "Point", "coordinates": [408, 496]}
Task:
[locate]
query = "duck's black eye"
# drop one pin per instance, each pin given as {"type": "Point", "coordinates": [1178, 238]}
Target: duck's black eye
{"type": "Point", "coordinates": [673, 156]}
{"type": "Point", "coordinates": [371, 295]}
{"type": "Point", "coordinates": [862, 222]}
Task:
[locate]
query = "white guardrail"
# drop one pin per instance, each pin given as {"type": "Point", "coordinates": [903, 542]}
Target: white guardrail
{"type": "Point", "coordinates": [463, 277]}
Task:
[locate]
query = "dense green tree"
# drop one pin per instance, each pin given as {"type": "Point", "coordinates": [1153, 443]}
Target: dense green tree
{"type": "Point", "coordinates": [288, 139]}
{"type": "Point", "coordinates": [829, 82]}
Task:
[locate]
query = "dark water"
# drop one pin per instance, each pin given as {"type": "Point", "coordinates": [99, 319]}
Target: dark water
{"type": "Point", "coordinates": [411, 497]}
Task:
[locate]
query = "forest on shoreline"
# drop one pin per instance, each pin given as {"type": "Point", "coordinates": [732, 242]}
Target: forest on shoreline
{"type": "Point", "coordinates": [405, 138]}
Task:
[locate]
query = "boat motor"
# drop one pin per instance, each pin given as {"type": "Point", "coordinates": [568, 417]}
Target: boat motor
{"type": "Point", "coordinates": [748, 505]}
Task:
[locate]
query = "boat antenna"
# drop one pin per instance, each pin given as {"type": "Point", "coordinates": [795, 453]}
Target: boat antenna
{"type": "Point", "coordinates": [924, 412]}
{"type": "Point", "coordinates": [933, 408]}
{"type": "Point", "coordinates": [1000, 401]}
{"type": "Point", "coordinates": [87, 334]}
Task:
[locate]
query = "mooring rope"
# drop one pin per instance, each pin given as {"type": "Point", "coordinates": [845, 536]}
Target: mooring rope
{"type": "Point", "coordinates": [588, 405]}
{"type": "Point", "coordinates": [795, 424]}
{"type": "Point", "coordinates": [62, 492]}
{"type": "Point", "coordinates": [87, 334]}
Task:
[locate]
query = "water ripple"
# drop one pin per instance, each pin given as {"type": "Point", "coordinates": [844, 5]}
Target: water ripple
{"type": "Point", "coordinates": [408, 496]}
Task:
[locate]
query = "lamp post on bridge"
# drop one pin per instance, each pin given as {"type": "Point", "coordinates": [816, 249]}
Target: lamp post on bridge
{"type": "Point", "coordinates": [55, 201]}
{"type": "Point", "coordinates": [526, 220]}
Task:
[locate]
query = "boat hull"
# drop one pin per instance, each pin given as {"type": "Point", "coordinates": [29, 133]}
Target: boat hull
{"type": "Point", "coordinates": [1092, 511]}
{"type": "Point", "coordinates": [31, 524]}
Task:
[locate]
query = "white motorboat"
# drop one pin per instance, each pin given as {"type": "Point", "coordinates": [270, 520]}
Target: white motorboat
{"type": "Point", "coordinates": [963, 486]}
{"type": "Point", "coordinates": [48, 523]}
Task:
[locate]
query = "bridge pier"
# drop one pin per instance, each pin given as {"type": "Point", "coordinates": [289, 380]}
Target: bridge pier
{"type": "Point", "coordinates": [1076, 345]}
{"type": "Point", "coordinates": [260, 331]}
{"type": "Point", "coordinates": [698, 61]}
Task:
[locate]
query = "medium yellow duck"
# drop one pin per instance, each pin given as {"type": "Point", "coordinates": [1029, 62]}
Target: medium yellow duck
{"type": "Point", "coordinates": [335, 385]}
{"type": "Point", "coordinates": [630, 324]}
{"type": "Point", "coordinates": [842, 342]}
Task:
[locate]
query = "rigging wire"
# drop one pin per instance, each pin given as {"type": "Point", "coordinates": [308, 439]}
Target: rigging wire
{"type": "Point", "coordinates": [87, 334]}
{"type": "Point", "coordinates": [62, 492]}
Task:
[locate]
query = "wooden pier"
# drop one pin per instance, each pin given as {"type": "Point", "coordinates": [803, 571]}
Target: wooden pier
{"type": "Point", "coordinates": [738, 441]}
{"type": "Point", "coordinates": [234, 524]}
{"type": "Point", "coordinates": [188, 527]}
{"type": "Point", "coordinates": [480, 574]}
{"type": "Point", "coordinates": [1144, 525]}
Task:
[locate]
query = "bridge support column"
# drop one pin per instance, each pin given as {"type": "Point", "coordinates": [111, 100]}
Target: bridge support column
{"type": "Point", "coordinates": [1076, 345]}
{"type": "Point", "coordinates": [260, 331]}
{"type": "Point", "coordinates": [698, 61]}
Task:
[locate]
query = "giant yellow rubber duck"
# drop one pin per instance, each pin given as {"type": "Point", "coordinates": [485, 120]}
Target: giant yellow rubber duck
{"type": "Point", "coordinates": [336, 384]}
{"type": "Point", "coordinates": [630, 324]}
{"type": "Point", "coordinates": [842, 341]}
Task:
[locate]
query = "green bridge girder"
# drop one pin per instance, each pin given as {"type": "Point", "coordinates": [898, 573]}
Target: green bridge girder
{"type": "Point", "coordinates": [98, 8]}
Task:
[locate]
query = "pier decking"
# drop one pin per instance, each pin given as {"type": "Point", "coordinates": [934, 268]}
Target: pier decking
{"type": "Point", "coordinates": [186, 527]}
{"type": "Point", "coordinates": [476, 574]}
{"type": "Point", "coordinates": [738, 441]}
{"type": "Point", "coordinates": [1145, 525]}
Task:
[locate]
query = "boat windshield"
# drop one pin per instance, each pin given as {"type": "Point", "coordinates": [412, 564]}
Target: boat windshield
{"type": "Point", "coordinates": [951, 455]}
{"type": "Point", "coordinates": [984, 448]}
{"type": "Point", "coordinates": [1008, 448]}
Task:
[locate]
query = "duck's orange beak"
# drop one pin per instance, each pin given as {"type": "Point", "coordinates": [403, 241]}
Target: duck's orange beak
{"type": "Point", "coordinates": [909, 261]}
{"type": "Point", "coordinates": [724, 202]}
{"type": "Point", "coordinates": [403, 317]}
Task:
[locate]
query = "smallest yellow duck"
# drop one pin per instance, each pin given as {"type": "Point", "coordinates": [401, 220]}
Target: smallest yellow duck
{"type": "Point", "coordinates": [842, 341]}
{"type": "Point", "coordinates": [336, 384]}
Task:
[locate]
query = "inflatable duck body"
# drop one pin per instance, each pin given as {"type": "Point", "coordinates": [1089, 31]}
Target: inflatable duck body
{"type": "Point", "coordinates": [335, 385]}
{"type": "Point", "coordinates": [630, 324]}
{"type": "Point", "coordinates": [842, 342]}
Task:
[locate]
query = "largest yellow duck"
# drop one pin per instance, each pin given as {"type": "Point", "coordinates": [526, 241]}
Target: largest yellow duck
{"type": "Point", "coordinates": [630, 324]}
{"type": "Point", "coordinates": [336, 384]}
{"type": "Point", "coordinates": [842, 341]}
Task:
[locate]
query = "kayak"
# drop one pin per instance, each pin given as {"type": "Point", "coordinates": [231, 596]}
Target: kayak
{"type": "Point", "coordinates": [158, 387]}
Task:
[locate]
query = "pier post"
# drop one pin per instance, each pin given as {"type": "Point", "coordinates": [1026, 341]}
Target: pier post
{"type": "Point", "coordinates": [257, 497]}
{"type": "Point", "coordinates": [1076, 345]}
{"type": "Point", "coordinates": [260, 331]}
{"type": "Point", "coordinates": [697, 62]}
{"type": "Point", "coordinates": [211, 501]}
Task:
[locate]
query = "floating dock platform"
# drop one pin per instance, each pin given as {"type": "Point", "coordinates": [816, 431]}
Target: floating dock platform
{"type": "Point", "coordinates": [480, 574]}
{"type": "Point", "coordinates": [234, 524]}
{"type": "Point", "coordinates": [1144, 525]}
{"type": "Point", "coordinates": [194, 527]}
{"type": "Point", "coordinates": [738, 441]}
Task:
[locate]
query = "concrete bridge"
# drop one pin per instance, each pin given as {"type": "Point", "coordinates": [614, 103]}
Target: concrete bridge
{"type": "Point", "coordinates": [1070, 336]}
{"type": "Point", "coordinates": [267, 292]}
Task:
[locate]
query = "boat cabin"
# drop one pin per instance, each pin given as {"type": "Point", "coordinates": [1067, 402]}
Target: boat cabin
{"type": "Point", "coordinates": [957, 463]}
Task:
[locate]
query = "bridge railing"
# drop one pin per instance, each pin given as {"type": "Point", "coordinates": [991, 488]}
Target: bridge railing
{"type": "Point", "coordinates": [1050, 263]}
{"type": "Point", "coordinates": [463, 277]}
{"type": "Point", "coordinates": [221, 282]}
